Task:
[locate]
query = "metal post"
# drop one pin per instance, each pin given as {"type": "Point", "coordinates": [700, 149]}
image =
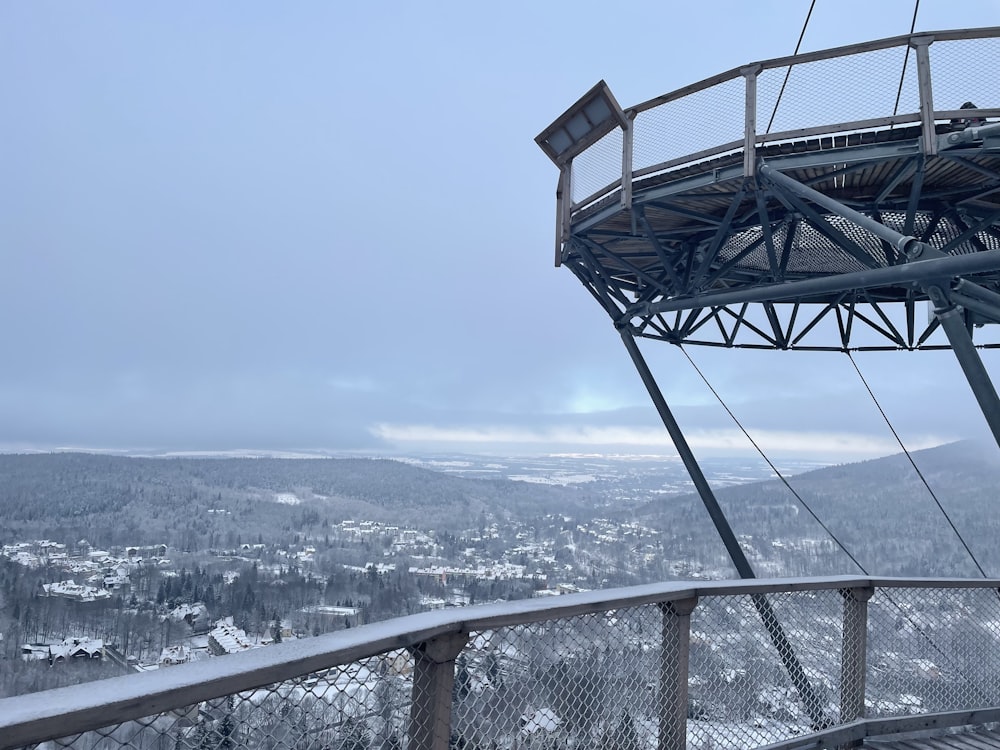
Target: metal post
{"type": "Point", "coordinates": [564, 199]}
{"type": "Point", "coordinates": [854, 654]}
{"type": "Point", "coordinates": [433, 679]}
{"type": "Point", "coordinates": [928, 136]}
{"type": "Point", "coordinates": [628, 136]}
{"type": "Point", "coordinates": [675, 652]}
{"type": "Point", "coordinates": [750, 120]}
{"type": "Point", "coordinates": [763, 606]}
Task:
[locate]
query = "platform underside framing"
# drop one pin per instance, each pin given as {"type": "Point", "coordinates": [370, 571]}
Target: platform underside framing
{"type": "Point", "coordinates": [709, 229]}
{"type": "Point", "coordinates": [664, 214]}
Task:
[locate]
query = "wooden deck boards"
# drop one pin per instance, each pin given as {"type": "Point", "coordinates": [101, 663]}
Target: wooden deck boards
{"type": "Point", "coordinates": [982, 739]}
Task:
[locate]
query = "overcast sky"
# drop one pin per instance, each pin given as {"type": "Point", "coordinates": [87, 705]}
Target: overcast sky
{"type": "Point", "coordinates": [326, 226]}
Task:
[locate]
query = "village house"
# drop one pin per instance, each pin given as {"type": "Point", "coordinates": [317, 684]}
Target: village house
{"type": "Point", "coordinates": [70, 649]}
{"type": "Point", "coordinates": [172, 655]}
{"type": "Point", "coordinates": [75, 591]}
{"type": "Point", "coordinates": [226, 638]}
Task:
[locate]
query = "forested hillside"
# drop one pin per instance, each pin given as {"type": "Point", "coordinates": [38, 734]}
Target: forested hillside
{"type": "Point", "coordinates": [113, 500]}
{"type": "Point", "coordinates": [880, 510]}
{"type": "Point", "coordinates": [314, 545]}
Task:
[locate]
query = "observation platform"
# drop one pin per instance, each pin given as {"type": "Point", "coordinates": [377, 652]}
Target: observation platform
{"type": "Point", "coordinates": [666, 666]}
{"type": "Point", "coordinates": [684, 215]}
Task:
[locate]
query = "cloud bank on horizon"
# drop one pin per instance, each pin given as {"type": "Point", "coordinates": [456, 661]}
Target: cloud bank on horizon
{"type": "Point", "coordinates": [319, 229]}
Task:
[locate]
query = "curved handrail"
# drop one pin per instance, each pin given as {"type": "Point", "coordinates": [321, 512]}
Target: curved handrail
{"type": "Point", "coordinates": [984, 32]}
{"type": "Point", "coordinates": [593, 183]}
{"type": "Point", "coordinates": [67, 711]}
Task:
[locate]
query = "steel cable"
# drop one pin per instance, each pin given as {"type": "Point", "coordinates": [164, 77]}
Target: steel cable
{"type": "Point", "coordinates": [906, 60]}
{"type": "Point", "coordinates": [770, 463]}
{"type": "Point", "coordinates": [915, 467]}
{"type": "Point", "coordinates": [789, 71]}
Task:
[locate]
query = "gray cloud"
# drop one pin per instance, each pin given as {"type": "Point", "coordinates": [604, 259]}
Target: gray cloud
{"type": "Point", "coordinates": [285, 230]}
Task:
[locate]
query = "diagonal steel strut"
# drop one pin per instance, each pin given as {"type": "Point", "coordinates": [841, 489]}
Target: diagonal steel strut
{"type": "Point", "coordinates": [937, 286]}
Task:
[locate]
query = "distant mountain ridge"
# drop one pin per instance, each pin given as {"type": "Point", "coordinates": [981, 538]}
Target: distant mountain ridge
{"type": "Point", "coordinates": [879, 509]}
{"type": "Point", "coordinates": [152, 497]}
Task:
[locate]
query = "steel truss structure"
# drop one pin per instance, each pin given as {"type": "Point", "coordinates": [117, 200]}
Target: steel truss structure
{"type": "Point", "coordinates": [718, 265]}
{"type": "Point", "coordinates": [712, 248]}
{"type": "Point", "coordinates": [825, 235]}
{"type": "Point", "coordinates": [828, 236]}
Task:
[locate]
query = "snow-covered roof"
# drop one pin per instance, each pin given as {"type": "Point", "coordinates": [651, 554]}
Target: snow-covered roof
{"type": "Point", "coordinates": [542, 720]}
{"type": "Point", "coordinates": [229, 637]}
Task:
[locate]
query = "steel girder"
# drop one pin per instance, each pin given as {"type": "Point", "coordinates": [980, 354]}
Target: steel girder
{"type": "Point", "coordinates": [718, 258]}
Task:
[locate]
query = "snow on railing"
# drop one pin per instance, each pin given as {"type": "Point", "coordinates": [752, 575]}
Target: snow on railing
{"type": "Point", "coordinates": [673, 665]}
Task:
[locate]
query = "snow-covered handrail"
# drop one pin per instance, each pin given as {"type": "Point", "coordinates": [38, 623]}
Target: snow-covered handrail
{"type": "Point", "coordinates": [666, 665]}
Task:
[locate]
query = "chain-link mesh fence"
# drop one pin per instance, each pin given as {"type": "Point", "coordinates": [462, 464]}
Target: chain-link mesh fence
{"type": "Point", "coordinates": [363, 706]}
{"type": "Point", "coordinates": [836, 90]}
{"type": "Point", "coordinates": [742, 693]}
{"type": "Point", "coordinates": [842, 90]}
{"type": "Point", "coordinates": [960, 71]}
{"type": "Point", "coordinates": [933, 650]}
{"type": "Point", "coordinates": [699, 121]}
{"type": "Point", "coordinates": [598, 166]}
{"type": "Point", "coordinates": [588, 681]}
{"type": "Point", "coordinates": [757, 669]}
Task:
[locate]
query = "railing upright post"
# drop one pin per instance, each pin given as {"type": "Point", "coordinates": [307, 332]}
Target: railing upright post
{"type": "Point", "coordinates": [928, 135]}
{"type": "Point", "coordinates": [564, 200]}
{"type": "Point", "coordinates": [854, 654]}
{"type": "Point", "coordinates": [675, 651]}
{"type": "Point", "coordinates": [628, 136]}
{"type": "Point", "coordinates": [750, 74]}
{"type": "Point", "coordinates": [433, 679]}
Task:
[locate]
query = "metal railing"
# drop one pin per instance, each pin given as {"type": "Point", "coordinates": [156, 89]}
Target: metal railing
{"type": "Point", "coordinates": [673, 665]}
{"type": "Point", "coordinates": [919, 79]}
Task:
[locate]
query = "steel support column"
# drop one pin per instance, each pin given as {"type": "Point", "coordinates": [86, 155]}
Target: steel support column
{"type": "Point", "coordinates": [953, 323]}
{"type": "Point", "coordinates": [687, 456]}
{"type": "Point", "coordinates": [763, 606]}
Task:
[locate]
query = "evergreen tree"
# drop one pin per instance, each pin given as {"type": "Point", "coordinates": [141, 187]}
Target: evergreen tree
{"type": "Point", "coordinates": [203, 737]}
{"type": "Point", "coordinates": [463, 680]}
{"type": "Point", "coordinates": [355, 736]}
{"type": "Point", "coordinates": [624, 737]}
{"type": "Point", "coordinates": [227, 726]}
